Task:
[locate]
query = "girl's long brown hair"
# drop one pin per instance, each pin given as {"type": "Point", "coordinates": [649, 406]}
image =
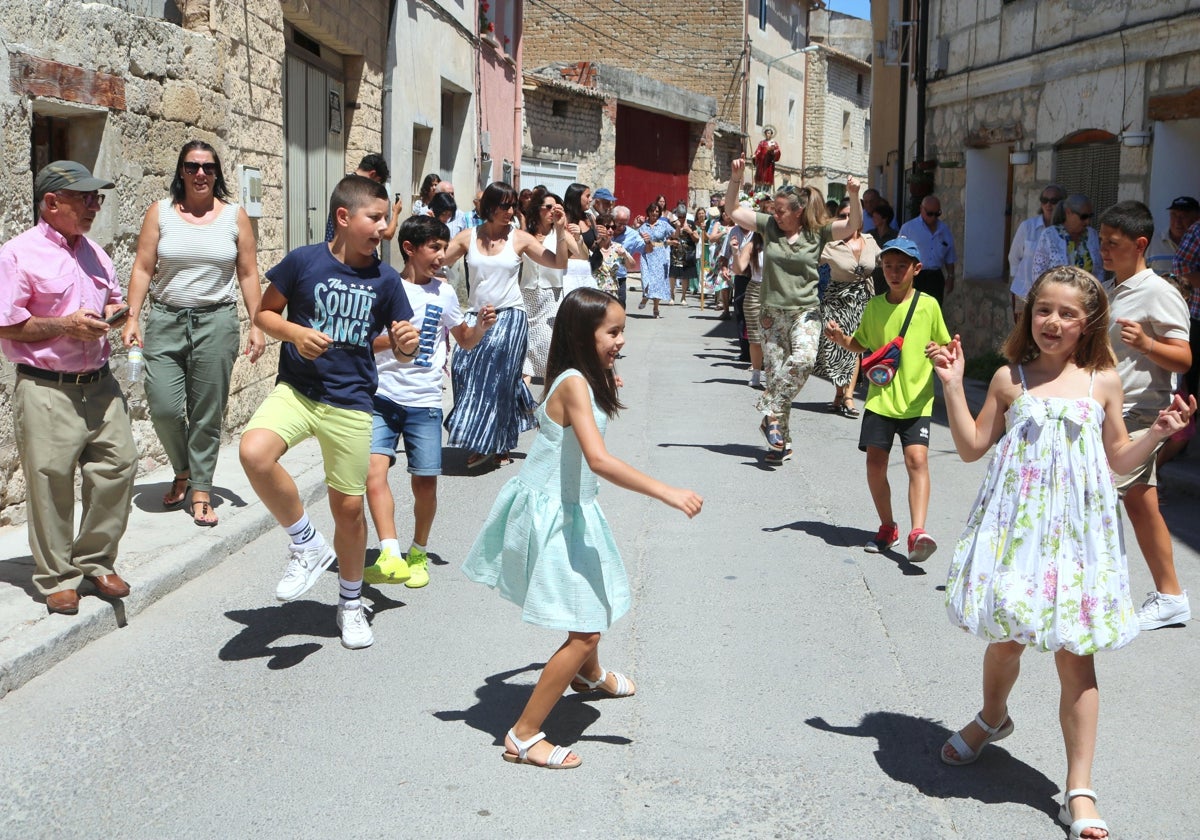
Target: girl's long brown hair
{"type": "Point", "coordinates": [573, 345]}
{"type": "Point", "coordinates": [1094, 351]}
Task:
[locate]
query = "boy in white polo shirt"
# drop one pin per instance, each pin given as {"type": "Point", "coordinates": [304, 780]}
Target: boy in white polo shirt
{"type": "Point", "coordinates": [1149, 333]}
{"type": "Point", "coordinates": [408, 402]}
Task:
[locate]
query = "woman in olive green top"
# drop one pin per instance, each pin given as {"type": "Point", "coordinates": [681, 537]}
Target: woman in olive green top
{"type": "Point", "coordinates": [794, 234]}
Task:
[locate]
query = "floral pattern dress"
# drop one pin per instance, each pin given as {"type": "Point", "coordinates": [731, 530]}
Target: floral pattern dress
{"type": "Point", "coordinates": [1042, 559]}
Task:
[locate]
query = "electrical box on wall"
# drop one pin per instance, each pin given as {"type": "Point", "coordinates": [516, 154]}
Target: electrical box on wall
{"type": "Point", "coordinates": [250, 181]}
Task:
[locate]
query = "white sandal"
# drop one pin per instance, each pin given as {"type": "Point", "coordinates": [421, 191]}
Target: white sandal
{"type": "Point", "coordinates": [625, 688]}
{"type": "Point", "coordinates": [1083, 824]}
{"type": "Point", "coordinates": [556, 761]}
{"type": "Point", "coordinates": [966, 755]}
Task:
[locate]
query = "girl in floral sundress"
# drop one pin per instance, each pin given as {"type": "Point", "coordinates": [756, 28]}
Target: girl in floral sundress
{"type": "Point", "coordinates": [1041, 562]}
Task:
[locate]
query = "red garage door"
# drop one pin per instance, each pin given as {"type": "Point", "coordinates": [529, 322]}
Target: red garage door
{"type": "Point", "coordinates": [652, 158]}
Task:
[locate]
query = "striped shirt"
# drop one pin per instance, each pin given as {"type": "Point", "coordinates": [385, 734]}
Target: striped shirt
{"type": "Point", "coordinates": [197, 264]}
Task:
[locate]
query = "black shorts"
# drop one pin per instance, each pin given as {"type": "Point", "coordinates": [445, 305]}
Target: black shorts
{"type": "Point", "coordinates": [880, 431]}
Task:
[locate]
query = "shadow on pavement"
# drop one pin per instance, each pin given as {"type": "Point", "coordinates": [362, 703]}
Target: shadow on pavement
{"type": "Point", "coordinates": [843, 537]}
{"type": "Point", "coordinates": [734, 450]}
{"type": "Point", "coordinates": [500, 704]}
{"type": "Point", "coordinates": [18, 571]}
{"type": "Point", "coordinates": [148, 497]}
{"type": "Point", "coordinates": [908, 753]}
{"type": "Point", "coordinates": [266, 626]}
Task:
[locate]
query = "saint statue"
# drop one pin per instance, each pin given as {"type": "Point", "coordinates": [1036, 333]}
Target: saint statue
{"type": "Point", "coordinates": [765, 157]}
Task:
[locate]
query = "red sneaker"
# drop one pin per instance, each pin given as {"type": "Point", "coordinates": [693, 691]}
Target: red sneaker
{"type": "Point", "coordinates": [886, 537]}
{"type": "Point", "coordinates": [920, 545]}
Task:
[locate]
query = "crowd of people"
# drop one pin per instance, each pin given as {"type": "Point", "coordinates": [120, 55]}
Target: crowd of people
{"type": "Point", "coordinates": [1075, 420]}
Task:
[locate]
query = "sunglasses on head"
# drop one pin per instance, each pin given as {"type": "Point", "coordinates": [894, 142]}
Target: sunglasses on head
{"type": "Point", "coordinates": [191, 167]}
{"type": "Point", "coordinates": [1050, 200]}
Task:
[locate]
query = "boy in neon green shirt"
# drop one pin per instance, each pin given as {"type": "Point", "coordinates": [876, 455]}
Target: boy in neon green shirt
{"type": "Point", "coordinates": [903, 407]}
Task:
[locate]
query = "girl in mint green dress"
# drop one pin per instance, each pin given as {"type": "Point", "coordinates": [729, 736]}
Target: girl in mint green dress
{"type": "Point", "coordinates": [1041, 562]}
{"type": "Point", "coordinates": [546, 545]}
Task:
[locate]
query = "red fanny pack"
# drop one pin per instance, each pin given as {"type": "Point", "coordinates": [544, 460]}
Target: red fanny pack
{"type": "Point", "coordinates": [881, 366]}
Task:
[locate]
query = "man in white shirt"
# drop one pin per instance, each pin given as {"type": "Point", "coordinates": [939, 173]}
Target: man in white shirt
{"type": "Point", "coordinates": [936, 244]}
{"type": "Point", "coordinates": [1020, 254]}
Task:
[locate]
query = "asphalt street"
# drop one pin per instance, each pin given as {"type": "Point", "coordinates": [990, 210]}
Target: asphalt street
{"type": "Point", "coordinates": [789, 684]}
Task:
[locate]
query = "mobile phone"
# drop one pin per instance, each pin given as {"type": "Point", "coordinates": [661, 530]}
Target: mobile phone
{"type": "Point", "coordinates": [117, 316]}
{"type": "Point", "coordinates": [397, 198]}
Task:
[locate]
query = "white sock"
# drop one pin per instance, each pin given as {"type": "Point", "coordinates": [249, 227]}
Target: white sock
{"type": "Point", "coordinates": [394, 545]}
{"type": "Point", "coordinates": [302, 532]}
{"type": "Point", "coordinates": [349, 592]}
{"type": "Point", "coordinates": [417, 546]}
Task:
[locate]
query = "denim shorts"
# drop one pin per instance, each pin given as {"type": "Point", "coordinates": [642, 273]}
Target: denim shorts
{"type": "Point", "coordinates": [421, 429]}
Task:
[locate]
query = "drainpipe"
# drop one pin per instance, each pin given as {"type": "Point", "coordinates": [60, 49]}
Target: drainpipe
{"type": "Point", "coordinates": [921, 72]}
{"type": "Point", "coordinates": [385, 104]}
{"type": "Point", "coordinates": [898, 203]}
{"type": "Point", "coordinates": [519, 92]}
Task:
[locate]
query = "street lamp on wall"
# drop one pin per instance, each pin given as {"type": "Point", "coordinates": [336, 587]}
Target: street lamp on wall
{"type": "Point", "coordinates": [1020, 157]}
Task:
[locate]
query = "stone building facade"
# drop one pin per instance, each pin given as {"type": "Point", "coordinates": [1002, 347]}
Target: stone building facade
{"type": "Point", "coordinates": [120, 85]}
{"type": "Point", "coordinates": [1101, 97]}
{"type": "Point", "coordinates": [836, 120]}
{"type": "Point", "coordinates": [569, 134]}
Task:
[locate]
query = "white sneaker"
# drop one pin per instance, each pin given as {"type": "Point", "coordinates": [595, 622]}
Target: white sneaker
{"type": "Point", "coordinates": [356, 632]}
{"type": "Point", "coordinates": [1161, 610]}
{"type": "Point", "coordinates": [756, 379]}
{"type": "Point", "coordinates": [304, 568]}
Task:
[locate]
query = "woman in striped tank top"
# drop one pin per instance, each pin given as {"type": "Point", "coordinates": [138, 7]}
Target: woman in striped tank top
{"type": "Point", "coordinates": [195, 251]}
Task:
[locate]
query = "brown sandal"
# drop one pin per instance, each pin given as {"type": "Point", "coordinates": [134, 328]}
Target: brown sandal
{"type": "Point", "coordinates": [178, 489]}
{"type": "Point", "coordinates": [206, 518]}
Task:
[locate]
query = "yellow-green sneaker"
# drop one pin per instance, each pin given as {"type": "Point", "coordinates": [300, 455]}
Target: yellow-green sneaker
{"type": "Point", "coordinates": [418, 568]}
{"type": "Point", "coordinates": [389, 568]}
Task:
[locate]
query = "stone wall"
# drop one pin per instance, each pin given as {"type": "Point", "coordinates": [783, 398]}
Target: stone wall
{"type": "Point", "coordinates": [581, 132]}
{"type": "Point", "coordinates": [133, 90]}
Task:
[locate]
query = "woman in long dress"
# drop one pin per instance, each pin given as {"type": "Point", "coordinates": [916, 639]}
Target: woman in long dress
{"type": "Point", "coordinates": [542, 287]}
{"type": "Point", "coordinates": [492, 404]}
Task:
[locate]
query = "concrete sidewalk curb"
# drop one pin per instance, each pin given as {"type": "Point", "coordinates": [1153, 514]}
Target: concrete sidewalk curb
{"type": "Point", "coordinates": [157, 557]}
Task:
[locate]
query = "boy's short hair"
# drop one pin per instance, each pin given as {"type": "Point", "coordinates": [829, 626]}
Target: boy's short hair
{"type": "Point", "coordinates": [354, 191]}
{"type": "Point", "coordinates": [374, 163]}
{"type": "Point", "coordinates": [421, 229]}
{"type": "Point", "coordinates": [1132, 218]}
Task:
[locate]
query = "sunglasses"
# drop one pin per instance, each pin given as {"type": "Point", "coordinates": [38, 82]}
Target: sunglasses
{"type": "Point", "coordinates": [508, 205]}
{"type": "Point", "coordinates": [1052, 201]}
{"type": "Point", "coordinates": [1084, 216]}
{"type": "Point", "coordinates": [543, 207]}
{"type": "Point", "coordinates": [933, 214]}
{"type": "Point", "coordinates": [191, 167]}
{"type": "Point", "coordinates": [89, 199]}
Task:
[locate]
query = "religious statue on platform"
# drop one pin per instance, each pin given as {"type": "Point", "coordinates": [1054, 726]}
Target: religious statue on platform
{"type": "Point", "coordinates": [764, 158]}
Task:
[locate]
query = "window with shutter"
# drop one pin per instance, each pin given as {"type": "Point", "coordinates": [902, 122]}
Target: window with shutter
{"type": "Point", "coordinates": [1089, 162]}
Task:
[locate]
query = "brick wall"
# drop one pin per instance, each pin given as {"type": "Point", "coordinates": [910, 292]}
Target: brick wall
{"type": "Point", "coordinates": [699, 50]}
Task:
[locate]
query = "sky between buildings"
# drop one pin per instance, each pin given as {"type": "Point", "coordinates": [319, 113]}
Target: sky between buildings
{"type": "Point", "coordinates": [857, 8]}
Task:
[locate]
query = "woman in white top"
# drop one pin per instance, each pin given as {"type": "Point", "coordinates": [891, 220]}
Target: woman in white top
{"type": "Point", "coordinates": [542, 287]}
{"type": "Point", "coordinates": [195, 251]}
{"type": "Point", "coordinates": [492, 404]}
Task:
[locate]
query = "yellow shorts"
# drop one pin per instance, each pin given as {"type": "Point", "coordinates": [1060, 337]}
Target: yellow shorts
{"type": "Point", "coordinates": [343, 434]}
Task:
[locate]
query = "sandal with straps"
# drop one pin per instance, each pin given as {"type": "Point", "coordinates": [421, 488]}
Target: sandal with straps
{"type": "Point", "coordinates": [174, 497]}
{"type": "Point", "coordinates": [771, 431]}
{"type": "Point", "coordinates": [625, 687]}
{"type": "Point", "coordinates": [966, 755]}
{"type": "Point", "coordinates": [1077, 827]}
{"type": "Point", "coordinates": [556, 761]}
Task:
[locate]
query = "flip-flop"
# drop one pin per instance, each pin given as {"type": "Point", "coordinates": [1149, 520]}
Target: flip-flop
{"type": "Point", "coordinates": [206, 509]}
{"type": "Point", "coordinates": [170, 503]}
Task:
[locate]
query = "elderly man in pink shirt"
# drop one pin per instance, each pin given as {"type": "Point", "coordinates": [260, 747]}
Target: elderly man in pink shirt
{"type": "Point", "coordinates": [57, 288]}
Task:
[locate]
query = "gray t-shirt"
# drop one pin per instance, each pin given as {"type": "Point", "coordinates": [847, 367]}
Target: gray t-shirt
{"type": "Point", "coordinates": [1161, 310]}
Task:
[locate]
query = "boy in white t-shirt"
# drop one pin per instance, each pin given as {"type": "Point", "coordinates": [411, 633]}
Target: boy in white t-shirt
{"type": "Point", "coordinates": [408, 402]}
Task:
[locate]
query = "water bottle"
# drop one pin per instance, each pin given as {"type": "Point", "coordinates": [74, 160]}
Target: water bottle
{"type": "Point", "coordinates": [135, 364]}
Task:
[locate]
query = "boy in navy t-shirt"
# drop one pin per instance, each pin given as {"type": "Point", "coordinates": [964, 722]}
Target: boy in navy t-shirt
{"type": "Point", "coordinates": [338, 298]}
